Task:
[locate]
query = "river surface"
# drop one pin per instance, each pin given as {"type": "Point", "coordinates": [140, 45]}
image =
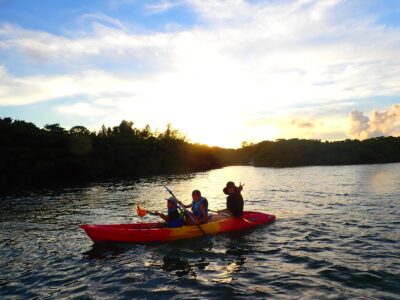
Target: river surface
{"type": "Point", "coordinates": [337, 236]}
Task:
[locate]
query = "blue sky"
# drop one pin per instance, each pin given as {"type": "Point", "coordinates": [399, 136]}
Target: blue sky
{"type": "Point", "coordinates": [222, 72]}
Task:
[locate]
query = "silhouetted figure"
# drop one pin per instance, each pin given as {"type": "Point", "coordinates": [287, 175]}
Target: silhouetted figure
{"type": "Point", "coordinates": [234, 201]}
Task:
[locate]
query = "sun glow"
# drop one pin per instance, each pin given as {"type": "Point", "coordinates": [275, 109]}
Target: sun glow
{"type": "Point", "coordinates": [230, 135]}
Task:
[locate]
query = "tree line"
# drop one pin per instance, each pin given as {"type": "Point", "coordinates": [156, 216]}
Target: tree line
{"type": "Point", "coordinates": [301, 152]}
{"type": "Point", "coordinates": [31, 155]}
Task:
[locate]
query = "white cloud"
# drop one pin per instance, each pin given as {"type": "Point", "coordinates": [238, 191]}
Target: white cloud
{"type": "Point", "coordinates": [81, 109]}
{"type": "Point", "coordinates": [91, 83]}
{"type": "Point", "coordinates": [162, 6]}
{"type": "Point", "coordinates": [25, 90]}
{"type": "Point", "coordinates": [101, 20]}
{"type": "Point", "coordinates": [381, 123]}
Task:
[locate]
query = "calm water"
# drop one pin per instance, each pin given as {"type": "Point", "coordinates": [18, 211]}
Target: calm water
{"type": "Point", "coordinates": [337, 236]}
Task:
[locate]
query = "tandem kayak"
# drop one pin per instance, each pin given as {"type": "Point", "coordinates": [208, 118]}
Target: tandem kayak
{"type": "Point", "coordinates": [157, 232]}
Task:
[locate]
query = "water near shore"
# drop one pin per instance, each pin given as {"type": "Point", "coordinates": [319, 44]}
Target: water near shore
{"type": "Point", "coordinates": [337, 236]}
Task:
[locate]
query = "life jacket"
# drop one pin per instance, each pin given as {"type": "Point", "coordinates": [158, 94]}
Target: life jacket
{"type": "Point", "coordinates": [175, 218]}
{"type": "Point", "coordinates": [196, 207]}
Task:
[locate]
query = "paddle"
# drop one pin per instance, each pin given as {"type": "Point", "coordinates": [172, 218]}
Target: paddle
{"type": "Point", "coordinates": [141, 212]}
{"type": "Point", "coordinates": [185, 210]}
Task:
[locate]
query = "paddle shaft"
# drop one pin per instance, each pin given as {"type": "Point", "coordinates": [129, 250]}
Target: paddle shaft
{"type": "Point", "coordinates": [187, 212]}
{"type": "Point", "coordinates": [154, 213]}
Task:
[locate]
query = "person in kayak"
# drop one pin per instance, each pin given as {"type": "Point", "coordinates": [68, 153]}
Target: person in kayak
{"type": "Point", "coordinates": [234, 201]}
{"type": "Point", "coordinates": [199, 207]}
{"type": "Point", "coordinates": [174, 218]}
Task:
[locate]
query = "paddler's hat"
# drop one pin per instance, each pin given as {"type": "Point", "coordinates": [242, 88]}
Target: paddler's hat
{"type": "Point", "coordinates": [172, 201]}
{"type": "Point", "coordinates": [229, 184]}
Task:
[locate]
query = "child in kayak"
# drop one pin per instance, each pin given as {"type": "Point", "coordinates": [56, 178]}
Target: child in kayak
{"type": "Point", "coordinates": [174, 217]}
{"type": "Point", "coordinates": [234, 201]}
{"type": "Point", "coordinates": [199, 207]}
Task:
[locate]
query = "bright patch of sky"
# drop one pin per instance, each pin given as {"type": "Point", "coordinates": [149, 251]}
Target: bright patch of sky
{"type": "Point", "coordinates": [222, 71]}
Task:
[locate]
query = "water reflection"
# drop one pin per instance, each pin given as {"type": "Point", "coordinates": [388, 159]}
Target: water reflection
{"type": "Point", "coordinates": [236, 257]}
{"type": "Point", "coordinates": [334, 223]}
{"type": "Point", "coordinates": [104, 250]}
{"type": "Point", "coordinates": [230, 270]}
{"type": "Point", "coordinates": [385, 181]}
{"type": "Point", "coordinates": [181, 267]}
{"type": "Point", "coordinates": [220, 261]}
{"type": "Point", "coordinates": [217, 260]}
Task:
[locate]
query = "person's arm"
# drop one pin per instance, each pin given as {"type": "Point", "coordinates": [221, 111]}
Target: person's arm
{"type": "Point", "coordinates": [183, 205]}
{"type": "Point", "coordinates": [162, 216]}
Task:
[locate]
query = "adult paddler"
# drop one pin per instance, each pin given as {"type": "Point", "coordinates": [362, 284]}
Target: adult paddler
{"type": "Point", "coordinates": [234, 201]}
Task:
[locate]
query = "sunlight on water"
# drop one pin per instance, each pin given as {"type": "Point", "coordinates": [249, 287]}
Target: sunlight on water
{"type": "Point", "coordinates": [337, 234]}
{"type": "Point", "coordinates": [384, 181]}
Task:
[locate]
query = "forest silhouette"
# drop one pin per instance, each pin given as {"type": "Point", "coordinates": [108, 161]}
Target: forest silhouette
{"type": "Point", "coordinates": [32, 155]}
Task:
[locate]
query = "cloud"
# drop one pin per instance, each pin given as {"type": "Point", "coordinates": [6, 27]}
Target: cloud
{"type": "Point", "coordinates": [25, 90]}
{"type": "Point", "coordinates": [101, 20]}
{"type": "Point", "coordinates": [267, 47]}
{"type": "Point", "coordinates": [100, 42]}
{"type": "Point", "coordinates": [238, 12]}
{"type": "Point", "coordinates": [162, 6]}
{"type": "Point", "coordinates": [298, 123]}
{"type": "Point", "coordinates": [301, 127]}
{"type": "Point", "coordinates": [381, 123]}
{"type": "Point", "coordinates": [359, 125]}
{"type": "Point", "coordinates": [302, 123]}
{"type": "Point", "coordinates": [16, 91]}
{"type": "Point", "coordinates": [242, 61]}
{"type": "Point", "coordinates": [82, 109]}
{"type": "Point", "coordinates": [321, 7]}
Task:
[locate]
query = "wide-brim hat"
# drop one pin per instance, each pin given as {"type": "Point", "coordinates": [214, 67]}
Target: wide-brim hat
{"type": "Point", "coordinates": [228, 185]}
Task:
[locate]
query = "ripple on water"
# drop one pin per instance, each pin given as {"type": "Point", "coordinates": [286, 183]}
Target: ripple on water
{"type": "Point", "coordinates": [335, 237]}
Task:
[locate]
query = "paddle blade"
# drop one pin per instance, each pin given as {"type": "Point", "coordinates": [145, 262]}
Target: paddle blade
{"type": "Point", "coordinates": [140, 211]}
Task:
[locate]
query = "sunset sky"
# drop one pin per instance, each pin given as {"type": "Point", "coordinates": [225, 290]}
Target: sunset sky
{"type": "Point", "coordinates": [222, 72]}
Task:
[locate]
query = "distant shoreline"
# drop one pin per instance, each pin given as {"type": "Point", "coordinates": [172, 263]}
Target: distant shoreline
{"type": "Point", "coordinates": [33, 156]}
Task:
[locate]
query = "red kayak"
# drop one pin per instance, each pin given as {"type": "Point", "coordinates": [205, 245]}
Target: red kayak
{"type": "Point", "coordinates": [157, 232]}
